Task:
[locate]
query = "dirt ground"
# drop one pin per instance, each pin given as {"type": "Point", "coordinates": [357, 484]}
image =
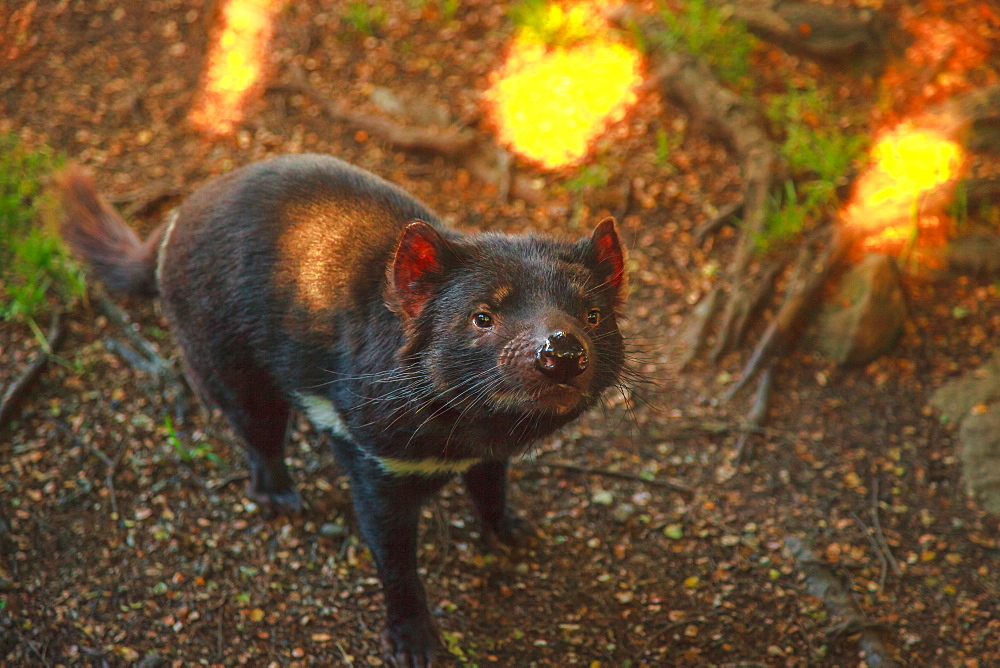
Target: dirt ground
{"type": "Point", "coordinates": [126, 539]}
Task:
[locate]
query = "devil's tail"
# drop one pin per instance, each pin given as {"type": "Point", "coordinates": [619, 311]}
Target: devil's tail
{"type": "Point", "coordinates": [99, 236]}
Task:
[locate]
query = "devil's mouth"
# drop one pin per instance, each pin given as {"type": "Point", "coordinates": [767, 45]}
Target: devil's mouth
{"type": "Point", "coordinates": [559, 399]}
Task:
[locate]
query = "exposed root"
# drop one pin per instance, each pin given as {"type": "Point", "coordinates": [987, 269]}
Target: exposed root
{"type": "Point", "coordinates": [756, 416]}
{"type": "Point", "coordinates": [824, 33]}
{"type": "Point", "coordinates": [809, 275]}
{"type": "Point", "coordinates": [746, 301]}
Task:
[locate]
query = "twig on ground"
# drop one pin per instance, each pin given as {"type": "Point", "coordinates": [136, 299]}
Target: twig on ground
{"type": "Point", "coordinates": [822, 583]}
{"type": "Point", "coordinates": [228, 480]}
{"type": "Point", "coordinates": [879, 536]}
{"type": "Point", "coordinates": [18, 389]}
{"type": "Point", "coordinates": [148, 198]}
{"type": "Point", "coordinates": [137, 360]}
{"type": "Point", "coordinates": [882, 561]}
{"type": "Point", "coordinates": [110, 464]}
{"type": "Point", "coordinates": [121, 320]}
{"type": "Point", "coordinates": [737, 121]}
{"type": "Point", "coordinates": [620, 475]}
{"type": "Point", "coordinates": [479, 155]}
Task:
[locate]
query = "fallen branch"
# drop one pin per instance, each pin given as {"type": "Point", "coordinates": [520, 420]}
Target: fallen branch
{"type": "Point", "coordinates": [18, 389]}
{"type": "Point", "coordinates": [733, 119]}
{"type": "Point", "coordinates": [823, 583]}
{"type": "Point", "coordinates": [449, 141]}
{"type": "Point", "coordinates": [117, 317]}
{"type": "Point", "coordinates": [148, 198]}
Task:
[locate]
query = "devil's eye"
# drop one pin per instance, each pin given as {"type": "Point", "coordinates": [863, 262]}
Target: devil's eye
{"type": "Point", "coordinates": [482, 320]}
{"type": "Point", "coordinates": [594, 316]}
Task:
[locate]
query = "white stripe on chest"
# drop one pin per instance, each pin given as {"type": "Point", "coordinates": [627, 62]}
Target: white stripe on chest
{"type": "Point", "coordinates": [324, 415]}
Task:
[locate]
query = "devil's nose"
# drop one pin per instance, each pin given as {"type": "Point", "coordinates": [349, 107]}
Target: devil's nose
{"type": "Point", "coordinates": [561, 357]}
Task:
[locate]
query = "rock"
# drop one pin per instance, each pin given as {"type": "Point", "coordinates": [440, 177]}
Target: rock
{"type": "Point", "coordinates": [956, 399]}
{"type": "Point", "coordinates": [980, 454]}
{"type": "Point", "coordinates": [974, 402]}
{"type": "Point", "coordinates": [867, 315]}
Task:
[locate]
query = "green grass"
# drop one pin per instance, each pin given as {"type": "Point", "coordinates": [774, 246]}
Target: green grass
{"type": "Point", "coordinates": [365, 18]}
{"type": "Point", "coordinates": [819, 153]}
{"type": "Point", "coordinates": [710, 33]}
{"type": "Point", "coordinates": [813, 143]}
{"type": "Point", "coordinates": [188, 453]}
{"type": "Point", "coordinates": [589, 177]}
{"type": "Point", "coordinates": [33, 261]}
{"type": "Point", "coordinates": [549, 23]}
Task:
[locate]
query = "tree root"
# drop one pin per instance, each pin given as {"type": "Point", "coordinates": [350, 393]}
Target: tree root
{"type": "Point", "coordinates": [823, 583]}
{"type": "Point", "coordinates": [809, 275]}
{"type": "Point", "coordinates": [737, 122]}
{"type": "Point", "coordinates": [691, 337]}
{"type": "Point", "coordinates": [756, 417]}
{"type": "Point", "coordinates": [745, 302]}
{"type": "Point", "coordinates": [18, 389]}
{"type": "Point", "coordinates": [827, 34]}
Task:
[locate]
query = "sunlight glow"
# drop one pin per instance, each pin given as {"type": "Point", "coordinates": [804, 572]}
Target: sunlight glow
{"type": "Point", "coordinates": [563, 83]}
{"type": "Point", "coordinates": [913, 170]}
{"type": "Point", "coordinates": [234, 66]}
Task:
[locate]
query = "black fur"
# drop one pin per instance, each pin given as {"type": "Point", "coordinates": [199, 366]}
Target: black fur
{"type": "Point", "coordinates": [303, 282]}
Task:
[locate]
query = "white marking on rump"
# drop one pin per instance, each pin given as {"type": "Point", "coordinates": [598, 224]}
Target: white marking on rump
{"type": "Point", "coordinates": [162, 250]}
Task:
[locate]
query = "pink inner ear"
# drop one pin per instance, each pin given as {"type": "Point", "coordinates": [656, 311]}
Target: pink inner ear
{"type": "Point", "coordinates": [607, 247]}
{"type": "Point", "coordinates": [415, 264]}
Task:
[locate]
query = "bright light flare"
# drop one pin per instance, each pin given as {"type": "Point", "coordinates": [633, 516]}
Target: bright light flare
{"type": "Point", "coordinates": [549, 103]}
{"type": "Point", "coordinates": [234, 63]}
{"type": "Point", "coordinates": [897, 199]}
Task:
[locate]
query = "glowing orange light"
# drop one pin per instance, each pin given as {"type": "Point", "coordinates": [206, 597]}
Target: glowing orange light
{"type": "Point", "coordinates": [550, 102]}
{"type": "Point", "coordinates": [234, 64]}
{"type": "Point", "coordinates": [912, 173]}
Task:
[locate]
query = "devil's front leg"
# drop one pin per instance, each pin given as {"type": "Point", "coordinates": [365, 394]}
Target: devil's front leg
{"type": "Point", "coordinates": [487, 485]}
{"type": "Point", "coordinates": [388, 511]}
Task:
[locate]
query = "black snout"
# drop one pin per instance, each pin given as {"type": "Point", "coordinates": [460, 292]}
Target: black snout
{"type": "Point", "coordinates": [561, 357]}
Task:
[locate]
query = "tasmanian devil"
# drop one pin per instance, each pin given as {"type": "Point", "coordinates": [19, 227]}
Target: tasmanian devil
{"type": "Point", "coordinates": [302, 282]}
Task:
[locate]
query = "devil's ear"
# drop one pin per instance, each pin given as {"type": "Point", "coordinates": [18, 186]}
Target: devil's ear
{"type": "Point", "coordinates": [609, 258]}
{"type": "Point", "coordinates": [417, 268]}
